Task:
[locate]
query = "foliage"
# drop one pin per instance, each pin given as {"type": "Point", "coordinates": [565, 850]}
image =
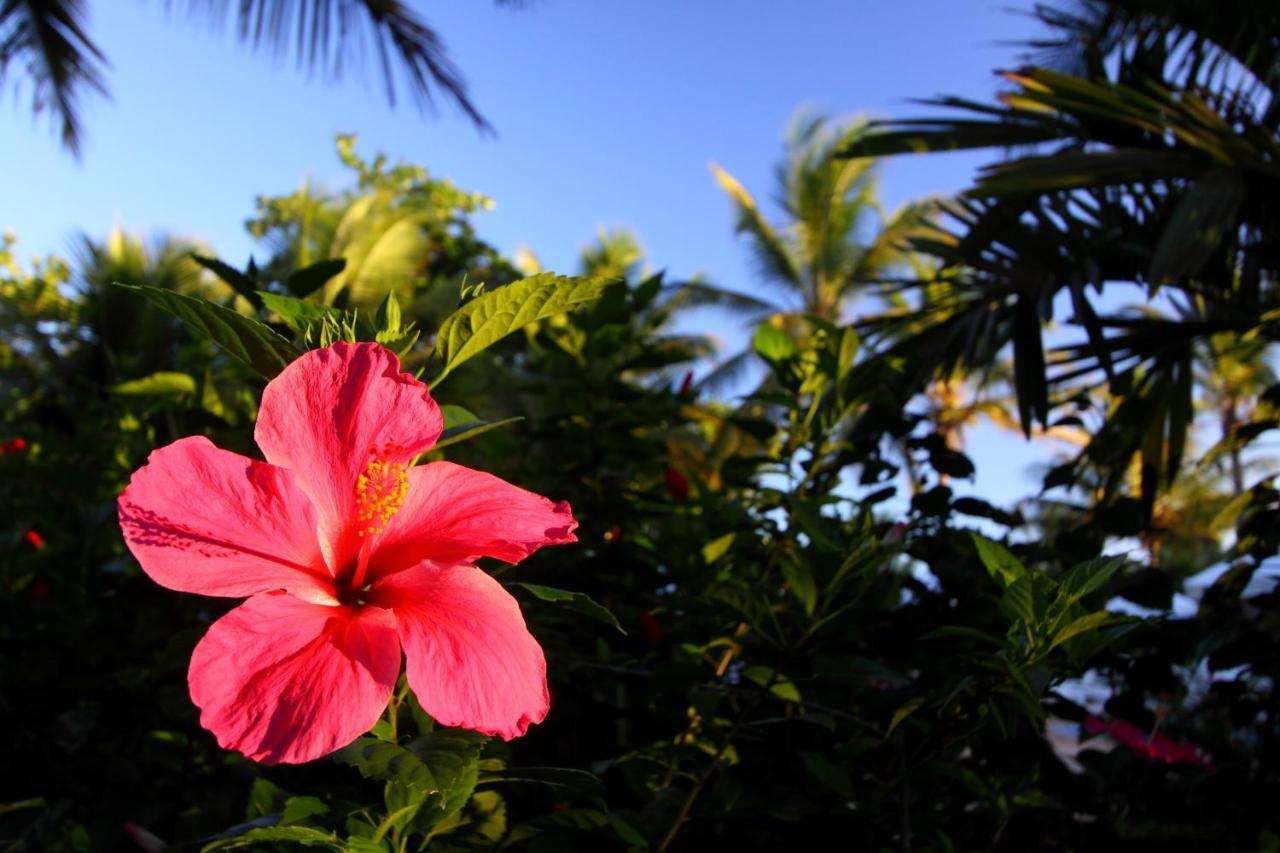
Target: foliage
{"type": "Point", "coordinates": [757, 641]}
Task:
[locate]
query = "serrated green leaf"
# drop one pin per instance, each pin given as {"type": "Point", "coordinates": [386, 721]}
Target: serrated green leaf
{"type": "Point", "coordinates": [492, 316]}
{"type": "Point", "coordinates": [296, 313]}
{"type": "Point", "coordinates": [243, 337]}
{"type": "Point", "coordinates": [163, 384]}
{"type": "Point", "coordinates": [453, 757]}
{"type": "Point", "coordinates": [1002, 565]}
{"type": "Point", "coordinates": [576, 601]}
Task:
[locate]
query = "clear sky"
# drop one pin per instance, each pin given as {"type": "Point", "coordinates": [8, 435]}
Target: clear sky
{"type": "Point", "coordinates": [607, 111]}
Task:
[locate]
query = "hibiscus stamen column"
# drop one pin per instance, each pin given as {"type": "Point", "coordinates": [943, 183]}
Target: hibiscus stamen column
{"type": "Point", "coordinates": [380, 492]}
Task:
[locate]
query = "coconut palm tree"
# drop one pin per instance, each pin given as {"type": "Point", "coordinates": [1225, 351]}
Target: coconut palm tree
{"type": "Point", "coordinates": [1141, 156]}
{"type": "Point", "coordinates": [834, 245]}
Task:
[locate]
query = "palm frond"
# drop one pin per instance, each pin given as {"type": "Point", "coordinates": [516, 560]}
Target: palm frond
{"type": "Point", "coordinates": [332, 35]}
{"type": "Point", "coordinates": [773, 255]}
{"type": "Point", "coordinates": [728, 373]}
{"type": "Point", "coordinates": [701, 294]}
{"type": "Point", "coordinates": [47, 39]}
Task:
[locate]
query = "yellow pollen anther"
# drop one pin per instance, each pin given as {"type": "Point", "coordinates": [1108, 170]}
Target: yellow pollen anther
{"type": "Point", "coordinates": [380, 491]}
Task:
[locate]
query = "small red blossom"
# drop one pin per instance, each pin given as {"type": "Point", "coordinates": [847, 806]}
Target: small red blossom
{"type": "Point", "coordinates": [13, 445]}
{"type": "Point", "coordinates": [677, 485]}
{"type": "Point", "coordinates": [348, 557]}
{"type": "Point", "coordinates": [144, 839]}
{"type": "Point", "coordinates": [895, 534]}
{"type": "Point", "coordinates": [34, 539]}
{"type": "Point", "coordinates": [1157, 747]}
{"type": "Point", "coordinates": [650, 627]}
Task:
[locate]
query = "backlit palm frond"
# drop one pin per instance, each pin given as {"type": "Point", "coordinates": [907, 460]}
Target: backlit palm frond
{"type": "Point", "coordinates": [333, 35]}
{"type": "Point", "coordinates": [47, 40]}
{"type": "Point", "coordinates": [772, 252]}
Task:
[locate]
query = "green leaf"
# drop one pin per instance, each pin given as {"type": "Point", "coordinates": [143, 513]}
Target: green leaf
{"type": "Point", "coordinates": [242, 284]}
{"type": "Point", "coordinates": [299, 809]}
{"type": "Point", "coordinates": [297, 314]}
{"type": "Point", "coordinates": [453, 757]}
{"type": "Point", "coordinates": [779, 685]}
{"type": "Point", "coordinates": [1019, 601]}
{"type": "Point", "coordinates": [628, 833]}
{"type": "Point", "coordinates": [836, 778]}
{"type": "Point", "coordinates": [456, 416]}
{"type": "Point", "coordinates": [1088, 577]}
{"type": "Point", "coordinates": [576, 784]}
{"type": "Point", "coordinates": [464, 432]}
{"type": "Point", "coordinates": [488, 816]}
{"type": "Point", "coordinates": [717, 548]}
{"type": "Point", "coordinates": [1002, 565]}
{"type": "Point", "coordinates": [575, 601]}
{"type": "Point", "coordinates": [163, 383]}
{"type": "Point", "coordinates": [492, 316]}
{"type": "Point", "coordinates": [773, 344]}
{"type": "Point", "coordinates": [1089, 622]}
{"type": "Point", "coordinates": [800, 581]}
{"type": "Point", "coordinates": [376, 759]}
{"type": "Point", "coordinates": [307, 280]}
{"type": "Point", "coordinates": [244, 338]}
{"type": "Point", "coordinates": [305, 836]}
{"type": "Point", "coordinates": [902, 713]}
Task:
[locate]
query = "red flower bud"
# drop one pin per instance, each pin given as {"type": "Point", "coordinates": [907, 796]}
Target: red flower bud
{"type": "Point", "coordinates": [34, 539]}
{"type": "Point", "coordinates": [145, 840]}
{"type": "Point", "coordinates": [13, 445]}
{"type": "Point", "coordinates": [687, 385]}
{"type": "Point", "coordinates": [650, 627]}
{"type": "Point", "coordinates": [895, 534]}
{"type": "Point", "coordinates": [677, 485]}
{"type": "Point", "coordinates": [613, 534]}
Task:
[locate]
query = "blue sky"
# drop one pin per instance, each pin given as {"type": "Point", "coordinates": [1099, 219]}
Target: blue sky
{"type": "Point", "coordinates": [607, 112]}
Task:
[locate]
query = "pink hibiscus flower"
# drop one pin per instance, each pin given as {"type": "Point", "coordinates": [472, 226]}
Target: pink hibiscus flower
{"type": "Point", "coordinates": [348, 556]}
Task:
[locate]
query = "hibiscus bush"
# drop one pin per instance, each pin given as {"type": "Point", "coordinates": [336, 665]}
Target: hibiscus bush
{"type": "Point", "coordinates": [274, 577]}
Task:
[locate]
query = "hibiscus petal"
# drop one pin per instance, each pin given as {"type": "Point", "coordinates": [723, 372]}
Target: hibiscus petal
{"type": "Point", "coordinates": [332, 411]}
{"type": "Point", "coordinates": [200, 519]}
{"type": "Point", "coordinates": [468, 655]}
{"type": "Point", "coordinates": [453, 514]}
{"type": "Point", "coordinates": [283, 680]}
